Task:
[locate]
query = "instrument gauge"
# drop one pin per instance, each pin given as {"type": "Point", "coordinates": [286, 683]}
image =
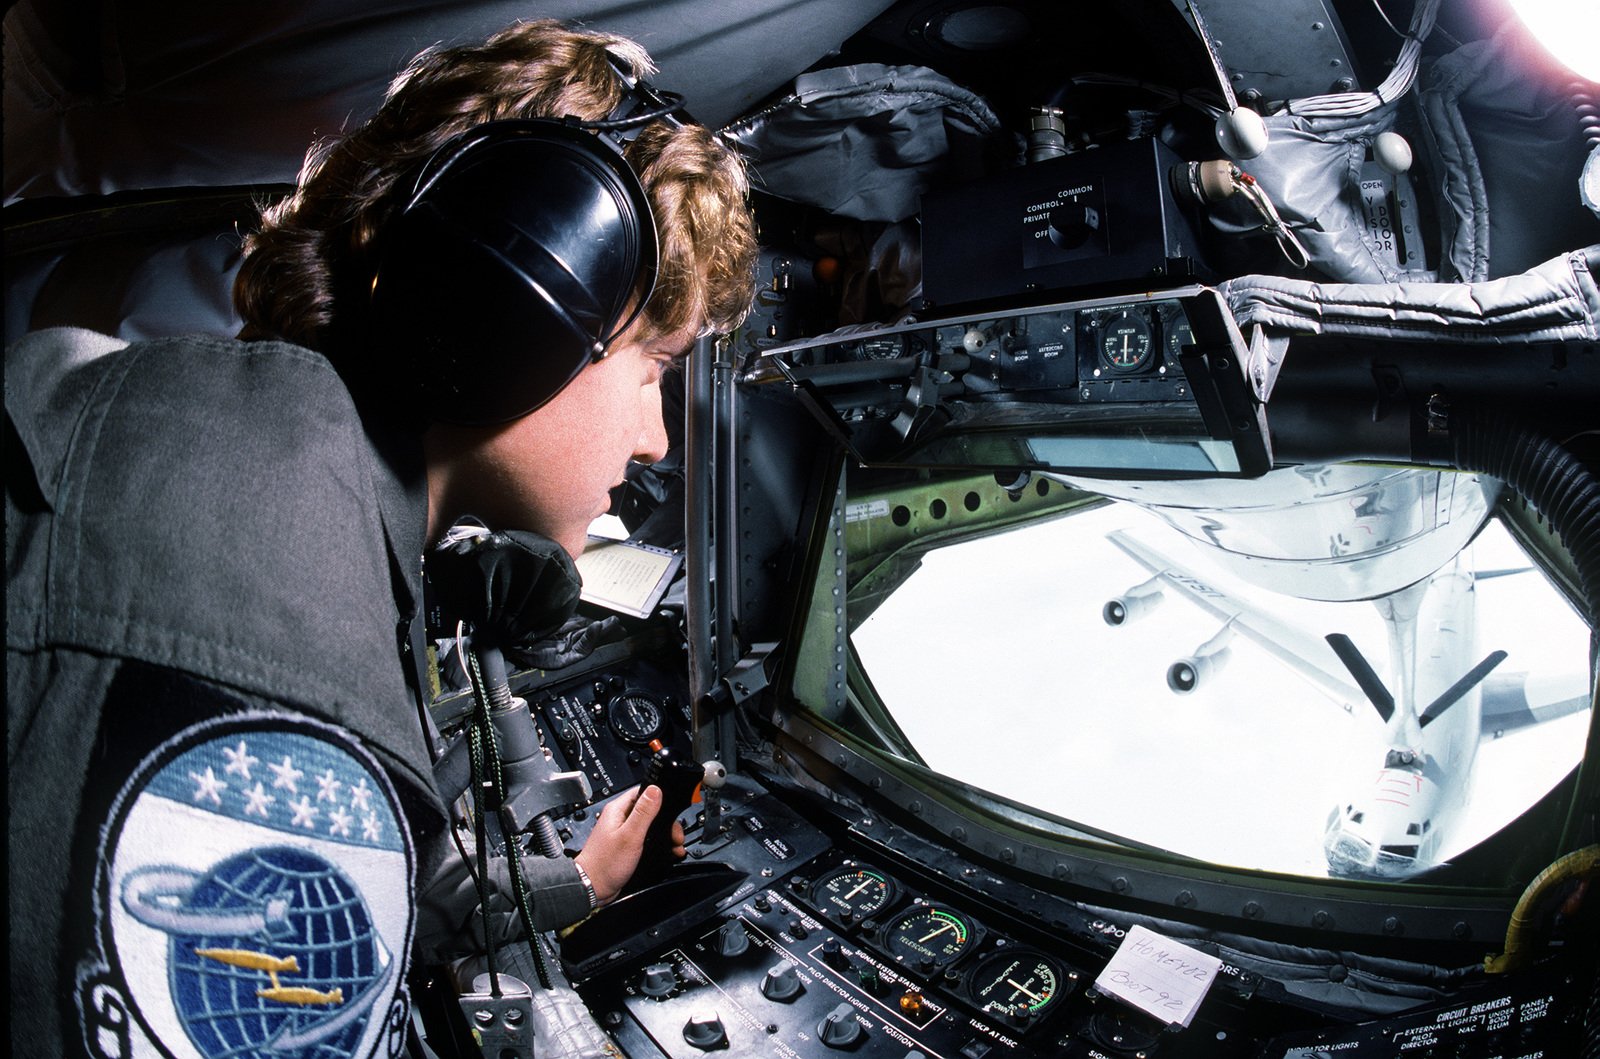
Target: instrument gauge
{"type": "Point", "coordinates": [1179, 334]}
{"type": "Point", "coordinates": [635, 718]}
{"type": "Point", "coordinates": [930, 936]}
{"type": "Point", "coordinates": [1125, 341]}
{"type": "Point", "coordinates": [883, 348]}
{"type": "Point", "coordinates": [1019, 984]}
{"type": "Point", "coordinates": [853, 892]}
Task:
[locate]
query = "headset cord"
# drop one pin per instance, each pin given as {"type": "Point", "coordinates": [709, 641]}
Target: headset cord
{"type": "Point", "coordinates": [524, 899]}
{"type": "Point", "coordinates": [475, 748]}
{"type": "Point", "coordinates": [486, 758]}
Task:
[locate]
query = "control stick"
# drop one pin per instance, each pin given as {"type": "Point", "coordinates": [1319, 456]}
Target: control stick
{"type": "Point", "coordinates": [680, 787]}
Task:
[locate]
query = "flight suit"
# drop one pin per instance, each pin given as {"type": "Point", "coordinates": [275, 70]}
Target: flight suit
{"type": "Point", "coordinates": [221, 794]}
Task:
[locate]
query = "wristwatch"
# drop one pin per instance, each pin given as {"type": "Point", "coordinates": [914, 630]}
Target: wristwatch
{"type": "Point", "coordinates": [588, 886]}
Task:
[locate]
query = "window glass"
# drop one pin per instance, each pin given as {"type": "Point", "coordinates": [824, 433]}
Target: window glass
{"type": "Point", "coordinates": [999, 665]}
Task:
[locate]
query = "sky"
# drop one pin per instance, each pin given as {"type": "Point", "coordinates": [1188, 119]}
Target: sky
{"type": "Point", "coordinates": [996, 663]}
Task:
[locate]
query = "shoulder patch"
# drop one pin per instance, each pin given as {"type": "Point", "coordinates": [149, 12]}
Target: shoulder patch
{"type": "Point", "coordinates": [253, 899]}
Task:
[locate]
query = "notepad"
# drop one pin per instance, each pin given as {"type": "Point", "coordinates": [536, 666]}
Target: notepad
{"type": "Point", "coordinates": [624, 576]}
{"type": "Point", "coordinates": [1159, 976]}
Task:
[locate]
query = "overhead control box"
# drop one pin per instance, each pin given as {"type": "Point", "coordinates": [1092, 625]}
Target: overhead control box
{"type": "Point", "coordinates": [1103, 219]}
{"type": "Point", "coordinates": [1150, 386]}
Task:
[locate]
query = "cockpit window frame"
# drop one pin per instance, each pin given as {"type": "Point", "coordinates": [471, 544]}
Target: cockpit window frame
{"type": "Point", "coordinates": [1054, 852]}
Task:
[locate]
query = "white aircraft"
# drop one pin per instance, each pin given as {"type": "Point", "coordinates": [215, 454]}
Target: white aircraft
{"type": "Point", "coordinates": [1394, 821]}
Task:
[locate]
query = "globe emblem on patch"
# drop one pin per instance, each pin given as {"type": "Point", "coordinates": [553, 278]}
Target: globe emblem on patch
{"type": "Point", "coordinates": [272, 952]}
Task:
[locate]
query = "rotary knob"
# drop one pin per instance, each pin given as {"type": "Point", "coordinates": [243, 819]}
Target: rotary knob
{"type": "Point", "coordinates": [732, 940]}
{"type": "Point", "coordinates": [704, 1030]}
{"type": "Point", "coordinates": [781, 983]}
{"type": "Point", "coordinates": [659, 980]}
{"type": "Point", "coordinates": [839, 1028]}
{"type": "Point", "coordinates": [1072, 224]}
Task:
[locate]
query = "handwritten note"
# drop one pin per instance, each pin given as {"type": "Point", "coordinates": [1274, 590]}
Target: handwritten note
{"type": "Point", "coordinates": [628, 578]}
{"type": "Point", "coordinates": [1165, 978]}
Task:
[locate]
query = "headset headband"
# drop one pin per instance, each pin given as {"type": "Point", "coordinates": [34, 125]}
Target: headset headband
{"type": "Point", "coordinates": [524, 249]}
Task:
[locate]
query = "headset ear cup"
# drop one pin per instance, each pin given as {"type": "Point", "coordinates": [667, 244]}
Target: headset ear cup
{"type": "Point", "coordinates": [471, 337]}
{"type": "Point", "coordinates": [519, 258]}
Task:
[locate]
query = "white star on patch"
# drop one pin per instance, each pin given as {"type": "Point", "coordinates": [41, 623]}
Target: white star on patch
{"type": "Point", "coordinates": [239, 760]}
{"type": "Point", "coordinates": [339, 823]}
{"type": "Point", "coordinates": [256, 802]}
{"type": "Point", "coordinates": [286, 775]}
{"type": "Point", "coordinates": [371, 828]}
{"type": "Point", "coordinates": [361, 796]}
{"type": "Point", "coordinates": [327, 787]}
{"type": "Point", "coordinates": [305, 814]}
{"type": "Point", "coordinates": [210, 787]}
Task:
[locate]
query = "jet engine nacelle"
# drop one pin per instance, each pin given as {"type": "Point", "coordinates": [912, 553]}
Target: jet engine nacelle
{"type": "Point", "coordinates": [1187, 674]}
{"type": "Point", "coordinates": [1133, 604]}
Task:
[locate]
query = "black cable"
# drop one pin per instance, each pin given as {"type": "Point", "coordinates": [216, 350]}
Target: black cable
{"type": "Point", "coordinates": [479, 873]}
{"type": "Point", "coordinates": [523, 898]}
{"type": "Point", "coordinates": [484, 724]}
{"type": "Point", "coordinates": [666, 103]}
{"type": "Point", "coordinates": [475, 743]}
{"type": "Point", "coordinates": [424, 722]}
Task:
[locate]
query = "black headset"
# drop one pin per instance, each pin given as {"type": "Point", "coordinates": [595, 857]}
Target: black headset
{"type": "Point", "coordinates": [516, 261]}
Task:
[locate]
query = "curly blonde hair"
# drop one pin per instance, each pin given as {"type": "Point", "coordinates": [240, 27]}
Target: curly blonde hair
{"type": "Point", "coordinates": [308, 269]}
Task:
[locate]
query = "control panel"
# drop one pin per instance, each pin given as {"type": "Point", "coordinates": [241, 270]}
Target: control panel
{"type": "Point", "coordinates": [789, 931]}
{"type": "Point", "coordinates": [604, 726]}
{"type": "Point", "coordinates": [1533, 1016]}
{"type": "Point", "coordinates": [601, 724]}
{"type": "Point", "coordinates": [848, 961]}
{"type": "Point", "coordinates": [840, 954]}
{"type": "Point", "coordinates": [1099, 218]}
{"type": "Point", "coordinates": [1081, 351]}
{"type": "Point", "coordinates": [1147, 386]}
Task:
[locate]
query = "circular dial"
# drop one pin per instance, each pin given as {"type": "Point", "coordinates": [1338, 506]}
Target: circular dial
{"type": "Point", "coordinates": [635, 718]}
{"type": "Point", "coordinates": [1015, 982]}
{"type": "Point", "coordinates": [1125, 341]}
{"type": "Point", "coordinates": [1123, 1032]}
{"type": "Point", "coordinates": [858, 891]}
{"type": "Point", "coordinates": [929, 934]}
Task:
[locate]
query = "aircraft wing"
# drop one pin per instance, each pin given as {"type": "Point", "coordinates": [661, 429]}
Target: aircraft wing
{"type": "Point", "coordinates": [1514, 701]}
{"type": "Point", "coordinates": [1310, 656]}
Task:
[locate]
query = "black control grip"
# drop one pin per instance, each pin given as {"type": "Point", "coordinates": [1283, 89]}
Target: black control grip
{"type": "Point", "coordinates": [678, 780]}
